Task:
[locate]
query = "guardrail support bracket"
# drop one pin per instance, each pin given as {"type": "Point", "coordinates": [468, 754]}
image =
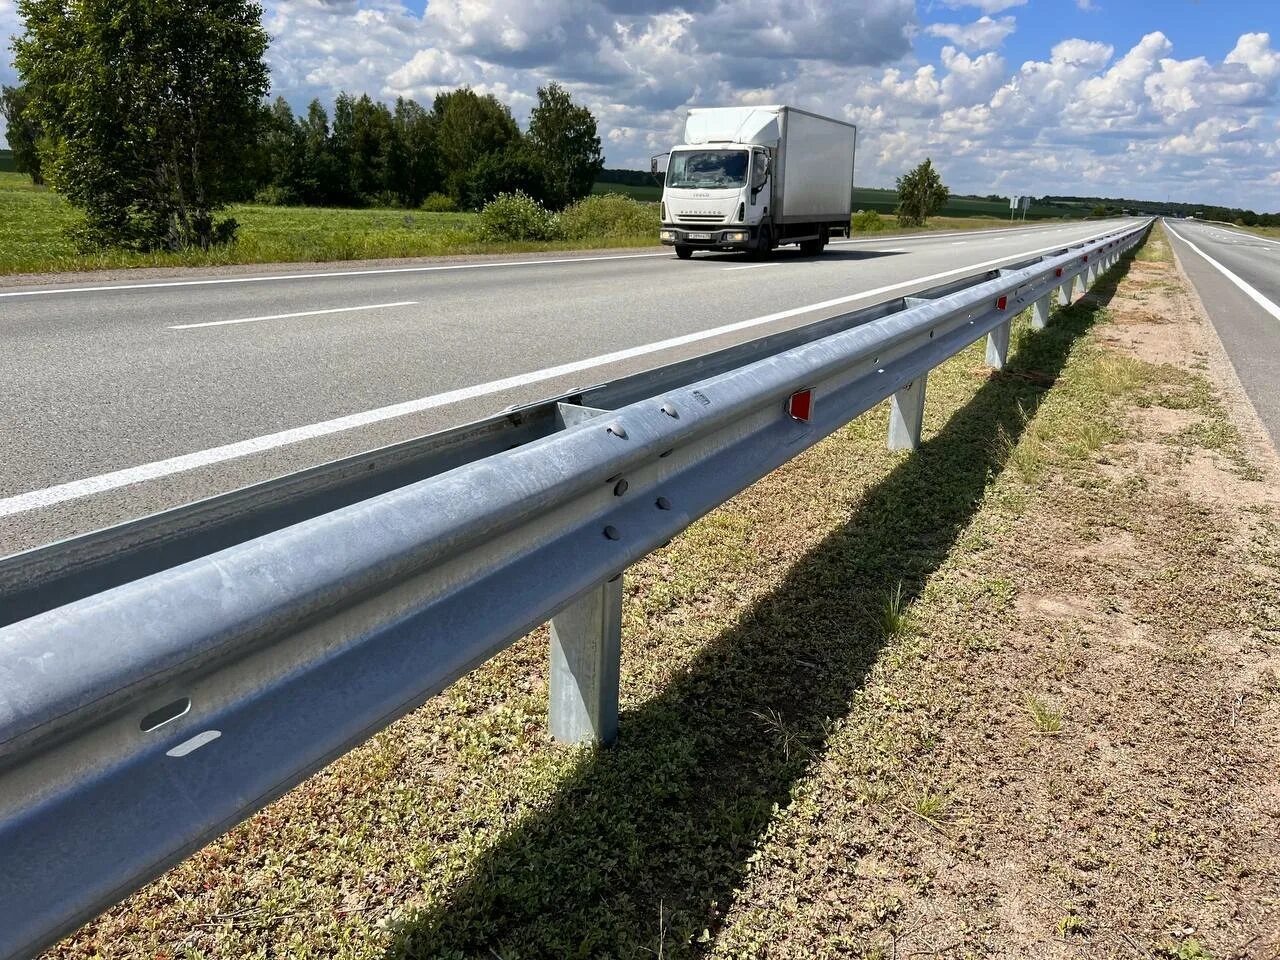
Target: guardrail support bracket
{"type": "Point", "coordinates": [1064, 292]}
{"type": "Point", "coordinates": [998, 345]}
{"type": "Point", "coordinates": [586, 646]}
{"type": "Point", "coordinates": [906, 415]}
{"type": "Point", "coordinates": [1040, 313]}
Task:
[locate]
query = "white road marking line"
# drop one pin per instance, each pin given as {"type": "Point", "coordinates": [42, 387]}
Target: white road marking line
{"type": "Point", "coordinates": [1236, 237]}
{"type": "Point", "coordinates": [960, 243]}
{"type": "Point", "coordinates": [1249, 291]}
{"type": "Point", "coordinates": [752, 266]}
{"type": "Point", "coordinates": [455, 266]}
{"type": "Point", "coordinates": [289, 316]}
{"type": "Point", "coordinates": [74, 489]}
{"type": "Point", "coordinates": [329, 273]}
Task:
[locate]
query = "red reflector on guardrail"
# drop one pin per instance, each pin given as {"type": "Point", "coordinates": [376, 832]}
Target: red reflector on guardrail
{"type": "Point", "coordinates": [1002, 303]}
{"type": "Point", "coordinates": [1058, 272]}
{"type": "Point", "coordinates": [800, 405]}
{"type": "Point", "coordinates": [1086, 258]}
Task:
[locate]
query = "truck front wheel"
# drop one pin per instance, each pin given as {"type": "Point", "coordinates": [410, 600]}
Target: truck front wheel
{"type": "Point", "coordinates": [764, 243]}
{"type": "Point", "coordinates": [684, 251]}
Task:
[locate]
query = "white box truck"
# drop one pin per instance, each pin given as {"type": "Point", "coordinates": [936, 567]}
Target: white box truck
{"type": "Point", "coordinates": [752, 178]}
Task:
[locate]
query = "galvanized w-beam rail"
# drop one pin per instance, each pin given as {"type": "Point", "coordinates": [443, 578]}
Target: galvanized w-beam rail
{"type": "Point", "coordinates": [162, 680]}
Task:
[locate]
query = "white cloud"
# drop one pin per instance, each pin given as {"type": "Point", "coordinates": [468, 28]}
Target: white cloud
{"type": "Point", "coordinates": [1253, 50]}
{"type": "Point", "coordinates": [986, 6]}
{"type": "Point", "coordinates": [983, 34]}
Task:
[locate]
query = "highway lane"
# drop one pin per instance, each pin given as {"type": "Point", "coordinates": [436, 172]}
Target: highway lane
{"type": "Point", "coordinates": [1237, 275]}
{"type": "Point", "coordinates": [252, 378]}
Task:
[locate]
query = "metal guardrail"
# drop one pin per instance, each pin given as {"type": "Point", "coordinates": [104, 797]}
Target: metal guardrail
{"type": "Point", "coordinates": [198, 664]}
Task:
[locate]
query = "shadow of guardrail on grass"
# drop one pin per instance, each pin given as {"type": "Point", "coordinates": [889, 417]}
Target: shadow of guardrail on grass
{"type": "Point", "coordinates": [646, 842]}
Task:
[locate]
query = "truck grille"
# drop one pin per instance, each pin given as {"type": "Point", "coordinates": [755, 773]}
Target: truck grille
{"type": "Point", "coordinates": [700, 217]}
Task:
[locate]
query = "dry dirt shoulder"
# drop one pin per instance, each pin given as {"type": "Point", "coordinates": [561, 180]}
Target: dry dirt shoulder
{"type": "Point", "coordinates": [1090, 761]}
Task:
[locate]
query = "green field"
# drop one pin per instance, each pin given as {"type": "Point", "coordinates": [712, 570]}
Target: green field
{"type": "Point", "coordinates": [886, 201]}
{"type": "Point", "coordinates": [34, 220]}
{"type": "Point", "coordinates": [650, 193]}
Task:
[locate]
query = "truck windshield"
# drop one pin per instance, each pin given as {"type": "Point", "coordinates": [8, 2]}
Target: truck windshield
{"type": "Point", "coordinates": [708, 168]}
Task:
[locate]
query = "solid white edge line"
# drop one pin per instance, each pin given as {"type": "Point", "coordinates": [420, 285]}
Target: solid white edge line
{"type": "Point", "coordinates": [289, 316]}
{"type": "Point", "coordinates": [1249, 291]}
{"type": "Point", "coordinates": [206, 281]}
{"type": "Point", "coordinates": [74, 489]}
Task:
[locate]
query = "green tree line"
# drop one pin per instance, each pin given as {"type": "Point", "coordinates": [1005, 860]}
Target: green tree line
{"type": "Point", "coordinates": [466, 148]}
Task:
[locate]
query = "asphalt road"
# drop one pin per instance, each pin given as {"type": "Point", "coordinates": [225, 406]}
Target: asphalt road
{"type": "Point", "coordinates": [1237, 275]}
{"type": "Point", "coordinates": [128, 397]}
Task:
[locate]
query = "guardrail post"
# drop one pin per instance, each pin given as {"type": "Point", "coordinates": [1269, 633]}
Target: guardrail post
{"type": "Point", "coordinates": [1064, 292]}
{"type": "Point", "coordinates": [906, 415]}
{"type": "Point", "coordinates": [586, 646]}
{"type": "Point", "coordinates": [1040, 312]}
{"type": "Point", "coordinates": [998, 345]}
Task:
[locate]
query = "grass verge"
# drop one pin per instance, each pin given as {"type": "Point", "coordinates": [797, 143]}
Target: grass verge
{"type": "Point", "coordinates": [875, 706]}
{"type": "Point", "coordinates": [33, 238]}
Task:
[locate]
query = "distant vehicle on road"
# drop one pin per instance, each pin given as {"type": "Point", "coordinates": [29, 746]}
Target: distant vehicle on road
{"type": "Point", "coordinates": [753, 178]}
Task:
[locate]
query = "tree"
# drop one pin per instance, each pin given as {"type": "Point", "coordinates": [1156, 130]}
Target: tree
{"type": "Point", "coordinates": [278, 160]}
{"type": "Point", "coordinates": [150, 110]}
{"type": "Point", "coordinates": [318, 174]}
{"type": "Point", "coordinates": [564, 135]}
{"type": "Point", "coordinates": [468, 127]}
{"type": "Point", "coordinates": [23, 131]}
{"type": "Point", "coordinates": [515, 169]}
{"type": "Point", "coordinates": [413, 171]}
{"type": "Point", "coordinates": [921, 194]}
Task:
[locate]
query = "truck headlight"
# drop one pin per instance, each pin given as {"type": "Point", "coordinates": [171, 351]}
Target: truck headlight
{"type": "Point", "coordinates": [666, 234]}
{"type": "Point", "coordinates": [735, 236]}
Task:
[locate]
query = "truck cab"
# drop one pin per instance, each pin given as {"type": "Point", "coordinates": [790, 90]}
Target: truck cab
{"type": "Point", "coordinates": [717, 197]}
{"type": "Point", "coordinates": [751, 178]}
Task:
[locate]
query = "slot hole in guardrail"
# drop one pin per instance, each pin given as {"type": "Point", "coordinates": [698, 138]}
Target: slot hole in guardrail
{"type": "Point", "coordinates": [170, 711]}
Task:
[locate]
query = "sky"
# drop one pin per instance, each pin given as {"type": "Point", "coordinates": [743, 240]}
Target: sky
{"type": "Point", "coordinates": [1164, 99]}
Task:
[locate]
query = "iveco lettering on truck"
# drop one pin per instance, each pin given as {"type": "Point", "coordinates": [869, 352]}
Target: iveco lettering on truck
{"type": "Point", "coordinates": [752, 178]}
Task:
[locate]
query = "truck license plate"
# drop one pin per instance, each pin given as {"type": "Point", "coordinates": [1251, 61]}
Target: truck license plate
{"type": "Point", "coordinates": [699, 236]}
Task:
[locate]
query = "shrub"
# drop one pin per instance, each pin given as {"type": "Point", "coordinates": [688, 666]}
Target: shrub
{"type": "Point", "coordinates": [609, 215]}
{"type": "Point", "coordinates": [438, 203]}
{"type": "Point", "coordinates": [274, 195]}
{"type": "Point", "coordinates": [866, 221]}
{"type": "Point", "coordinates": [517, 216]}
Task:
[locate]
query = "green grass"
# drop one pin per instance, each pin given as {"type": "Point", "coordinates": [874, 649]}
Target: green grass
{"type": "Point", "coordinates": [652, 193]}
{"type": "Point", "coordinates": [1044, 718]}
{"type": "Point", "coordinates": [34, 220]}
{"type": "Point", "coordinates": [886, 201]}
